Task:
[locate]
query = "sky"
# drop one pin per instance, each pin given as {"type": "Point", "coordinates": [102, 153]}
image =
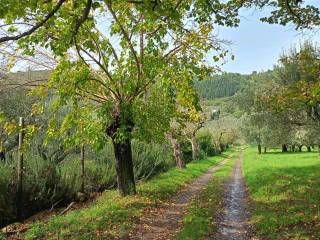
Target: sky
{"type": "Point", "coordinates": [257, 45]}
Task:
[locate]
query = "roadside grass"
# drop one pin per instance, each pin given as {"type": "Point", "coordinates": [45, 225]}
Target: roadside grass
{"type": "Point", "coordinates": [199, 221]}
{"type": "Point", "coordinates": [111, 216]}
{"type": "Point", "coordinates": [285, 194]}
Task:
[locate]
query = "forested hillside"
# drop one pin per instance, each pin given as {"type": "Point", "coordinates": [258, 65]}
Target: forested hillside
{"type": "Point", "coordinates": [217, 86]}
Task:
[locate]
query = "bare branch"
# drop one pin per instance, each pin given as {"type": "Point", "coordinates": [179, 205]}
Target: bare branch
{"type": "Point", "coordinates": [117, 95]}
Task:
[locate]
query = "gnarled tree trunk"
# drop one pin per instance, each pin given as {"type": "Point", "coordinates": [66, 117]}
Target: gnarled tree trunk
{"type": "Point", "coordinates": [284, 148]}
{"type": "Point", "coordinates": [300, 148]}
{"type": "Point", "coordinates": [195, 148]}
{"type": "Point", "coordinates": [177, 152]}
{"type": "Point", "coordinates": [122, 150]}
{"type": "Point", "coordinates": [265, 149]}
{"type": "Point", "coordinates": [124, 167]}
{"type": "Point", "coordinates": [259, 148]}
{"type": "Point", "coordinates": [309, 148]}
{"type": "Point", "coordinates": [293, 148]}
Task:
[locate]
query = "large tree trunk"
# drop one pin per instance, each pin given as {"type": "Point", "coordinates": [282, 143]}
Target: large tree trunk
{"type": "Point", "coordinates": [284, 148]}
{"type": "Point", "coordinates": [293, 148]}
{"type": "Point", "coordinates": [124, 167]}
{"type": "Point", "coordinates": [195, 148]}
{"type": "Point", "coordinates": [259, 148]}
{"type": "Point", "coordinates": [177, 152]}
{"type": "Point", "coordinates": [265, 149]}
{"type": "Point", "coordinates": [309, 148]}
{"type": "Point", "coordinates": [122, 119]}
{"type": "Point", "coordinates": [300, 148]}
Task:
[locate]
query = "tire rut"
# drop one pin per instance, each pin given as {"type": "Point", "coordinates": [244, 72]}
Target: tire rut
{"type": "Point", "coordinates": [233, 224]}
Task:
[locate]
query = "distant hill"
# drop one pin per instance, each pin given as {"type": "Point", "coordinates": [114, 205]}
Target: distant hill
{"type": "Point", "coordinates": [219, 86]}
{"type": "Point", "coordinates": [224, 85]}
{"type": "Point", "coordinates": [23, 79]}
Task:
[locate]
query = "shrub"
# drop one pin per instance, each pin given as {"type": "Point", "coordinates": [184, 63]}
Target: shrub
{"type": "Point", "coordinates": [186, 151]}
{"type": "Point", "coordinates": [205, 142]}
{"type": "Point", "coordinates": [46, 183]}
{"type": "Point", "coordinates": [150, 159]}
{"type": "Point", "coordinates": [7, 194]}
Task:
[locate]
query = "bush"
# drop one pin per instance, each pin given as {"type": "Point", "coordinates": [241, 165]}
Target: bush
{"type": "Point", "coordinates": [205, 142]}
{"type": "Point", "coordinates": [7, 194]}
{"type": "Point", "coordinates": [46, 183]}
{"type": "Point", "coordinates": [150, 159]}
{"type": "Point", "coordinates": [186, 151]}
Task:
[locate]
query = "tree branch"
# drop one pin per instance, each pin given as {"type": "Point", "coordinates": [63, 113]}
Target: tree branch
{"type": "Point", "coordinates": [114, 53]}
{"type": "Point", "coordinates": [36, 27]}
{"type": "Point", "coordinates": [83, 17]}
{"type": "Point", "coordinates": [126, 37]}
{"type": "Point", "coordinates": [116, 94]}
{"type": "Point", "coordinates": [293, 13]}
{"type": "Point", "coordinates": [166, 18]}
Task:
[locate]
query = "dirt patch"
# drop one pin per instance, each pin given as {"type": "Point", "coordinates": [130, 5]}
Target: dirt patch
{"type": "Point", "coordinates": [163, 222]}
{"type": "Point", "coordinates": [233, 224]}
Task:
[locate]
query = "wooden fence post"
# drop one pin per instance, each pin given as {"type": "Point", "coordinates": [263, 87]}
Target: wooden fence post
{"type": "Point", "coordinates": [82, 167]}
{"type": "Point", "coordinates": [20, 170]}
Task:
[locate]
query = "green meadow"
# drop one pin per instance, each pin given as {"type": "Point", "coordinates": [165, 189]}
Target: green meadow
{"type": "Point", "coordinates": [284, 191]}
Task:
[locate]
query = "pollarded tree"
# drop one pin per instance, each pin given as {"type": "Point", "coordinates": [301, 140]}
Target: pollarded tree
{"type": "Point", "coordinates": [190, 131]}
{"type": "Point", "coordinates": [125, 51]}
{"type": "Point", "coordinates": [185, 126]}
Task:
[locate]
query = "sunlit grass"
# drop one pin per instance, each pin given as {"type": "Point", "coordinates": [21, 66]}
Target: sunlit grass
{"type": "Point", "coordinates": [111, 216]}
{"type": "Point", "coordinates": [285, 193]}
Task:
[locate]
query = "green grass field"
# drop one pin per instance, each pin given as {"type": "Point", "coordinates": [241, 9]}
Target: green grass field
{"type": "Point", "coordinates": [198, 222]}
{"type": "Point", "coordinates": [112, 216]}
{"type": "Point", "coordinates": [285, 194]}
